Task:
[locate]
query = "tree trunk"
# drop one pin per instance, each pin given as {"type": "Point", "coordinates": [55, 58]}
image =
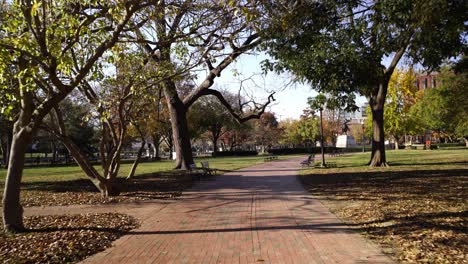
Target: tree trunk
{"type": "Point", "coordinates": [156, 150]}
{"type": "Point", "coordinates": [12, 210]}
{"type": "Point", "coordinates": [397, 140]}
{"type": "Point", "coordinates": [85, 165]}
{"type": "Point", "coordinates": [6, 140]}
{"type": "Point", "coordinates": [5, 145]}
{"type": "Point", "coordinates": [378, 158]}
{"type": "Point", "coordinates": [137, 161]}
{"type": "Point", "coordinates": [376, 103]}
{"type": "Point", "coordinates": [180, 132]}
{"type": "Point", "coordinates": [54, 153]}
{"type": "Point", "coordinates": [215, 145]}
{"type": "Point", "coordinates": [214, 139]}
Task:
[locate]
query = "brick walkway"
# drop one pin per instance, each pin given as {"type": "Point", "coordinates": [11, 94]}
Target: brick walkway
{"type": "Point", "coordinates": [259, 214]}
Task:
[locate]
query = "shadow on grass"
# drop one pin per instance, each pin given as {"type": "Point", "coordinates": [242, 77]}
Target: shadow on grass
{"type": "Point", "coordinates": [141, 184]}
{"type": "Point", "coordinates": [401, 163]}
{"type": "Point", "coordinates": [408, 205]}
{"type": "Point", "coordinates": [353, 185]}
{"type": "Point", "coordinates": [429, 163]}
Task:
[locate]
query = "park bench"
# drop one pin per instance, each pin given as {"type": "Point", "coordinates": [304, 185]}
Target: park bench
{"type": "Point", "coordinates": [205, 166]}
{"type": "Point", "coordinates": [270, 158]}
{"type": "Point", "coordinates": [197, 172]}
{"type": "Point", "coordinates": [309, 161]}
{"type": "Point", "coordinates": [418, 146]}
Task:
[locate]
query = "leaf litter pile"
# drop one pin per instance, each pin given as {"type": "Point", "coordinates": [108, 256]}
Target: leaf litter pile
{"type": "Point", "coordinates": [417, 216]}
{"type": "Point", "coordinates": [144, 187]}
{"type": "Point", "coordinates": [63, 239]}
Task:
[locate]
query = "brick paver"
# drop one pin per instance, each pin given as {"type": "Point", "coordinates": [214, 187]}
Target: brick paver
{"type": "Point", "coordinates": [260, 214]}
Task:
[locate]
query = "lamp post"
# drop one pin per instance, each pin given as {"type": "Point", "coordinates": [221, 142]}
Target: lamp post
{"type": "Point", "coordinates": [318, 103]}
{"type": "Point", "coordinates": [362, 139]}
{"type": "Point", "coordinates": [321, 139]}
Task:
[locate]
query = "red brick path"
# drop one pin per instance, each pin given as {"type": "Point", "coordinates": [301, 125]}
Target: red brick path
{"type": "Point", "coordinates": [259, 214]}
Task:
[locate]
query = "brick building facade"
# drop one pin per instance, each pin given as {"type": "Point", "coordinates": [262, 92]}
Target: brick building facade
{"type": "Point", "coordinates": [427, 80]}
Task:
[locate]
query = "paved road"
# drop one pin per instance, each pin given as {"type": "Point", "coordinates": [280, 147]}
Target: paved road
{"type": "Point", "coordinates": [260, 214]}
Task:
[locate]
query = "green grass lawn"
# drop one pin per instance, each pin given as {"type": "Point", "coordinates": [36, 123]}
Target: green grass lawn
{"type": "Point", "coordinates": [417, 208]}
{"type": "Point", "coordinates": [68, 185]}
{"type": "Point", "coordinates": [403, 159]}
{"type": "Point", "coordinates": [70, 173]}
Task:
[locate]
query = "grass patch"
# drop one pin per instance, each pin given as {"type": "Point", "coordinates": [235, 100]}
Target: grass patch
{"type": "Point", "coordinates": [416, 209]}
{"type": "Point", "coordinates": [46, 186]}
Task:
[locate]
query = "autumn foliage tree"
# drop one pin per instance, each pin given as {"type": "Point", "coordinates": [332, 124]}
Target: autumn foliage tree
{"type": "Point", "coordinates": [52, 49]}
{"type": "Point", "coordinates": [401, 97]}
{"type": "Point", "coordinates": [183, 35]}
{"type": "Point", "coordinates": [339, 46]}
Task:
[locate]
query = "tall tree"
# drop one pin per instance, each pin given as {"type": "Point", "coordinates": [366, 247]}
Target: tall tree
{"type": "Point", "coordinates": [444, 109]}
{"type": "Point", "coordinates": [200, 34]}
{"type": "Point", "coordinates": [266, 132]}
{"type": "Point", "coordinates": [42, 40]}
{"type": "Point", "coordinates": [340, 46]}
{"type": "Point", "coordinates": [401, 97]}
{"type": "Point", "coordinates": [212, 117]}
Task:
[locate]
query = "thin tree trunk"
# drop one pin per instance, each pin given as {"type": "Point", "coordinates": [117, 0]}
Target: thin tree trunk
{"type": "Point", "coordinates": [137, 160]}
{"type": "Point", "coordinates": [85, 165]}
{"type": "Point", "coordinates": [5, 150]}
{"type": "Point", "coordinates": [12, 209]}
{"type": "Point", "coordinates": [6, 144]}
{"type": "Point", "coordinates": [180, 132]}
{"type": "Point", "coordinates": [156, 150]}
{"type": "Point", "coordinates": [397, 139]}
{"type": "Point", "coordinates": [214, 138]}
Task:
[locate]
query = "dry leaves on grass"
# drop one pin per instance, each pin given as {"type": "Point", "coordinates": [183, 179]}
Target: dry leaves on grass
{"type": "Point", "coordinates": [63, 238]}
{"type": "Point", "coordinates": [422, 215]}
{"type": "Point", "coordinates": [81, 192]}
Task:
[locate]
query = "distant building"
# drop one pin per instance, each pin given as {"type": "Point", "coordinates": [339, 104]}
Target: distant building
{"type": "Point", "coordinates": [426, 80]}
{"type": "Point", "coordinates": [359, 116]}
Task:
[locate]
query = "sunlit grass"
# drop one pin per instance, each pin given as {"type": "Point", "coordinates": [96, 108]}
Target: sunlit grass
{"type": "Point", "coordinates": [69, 173]}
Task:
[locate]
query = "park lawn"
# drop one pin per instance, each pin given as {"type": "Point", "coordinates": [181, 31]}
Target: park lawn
{"type": "Point", "coordinates": [67, 185]}
{"type": "Point", "coordinates": [417, 208]}
{"type": "Point", "coordinates": [69, 173]}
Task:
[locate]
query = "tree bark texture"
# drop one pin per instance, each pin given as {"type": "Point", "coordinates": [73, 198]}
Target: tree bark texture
{"type": "Point", "coordinates": [377, 103]}
{"type": "Point", "coordinates": [12, 209]}
{"type": "Point", "coordinates": [137, 160]}
{"type": "Point", "coordinates": [5, 141]}
{"type": "Point", "coordinates": [180, 131]}
{"type": "Point", "coordinates": [85, 165]}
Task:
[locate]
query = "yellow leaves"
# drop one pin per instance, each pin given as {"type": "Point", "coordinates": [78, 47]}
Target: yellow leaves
{"type": "Point", "coordinates": [35, 6]}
